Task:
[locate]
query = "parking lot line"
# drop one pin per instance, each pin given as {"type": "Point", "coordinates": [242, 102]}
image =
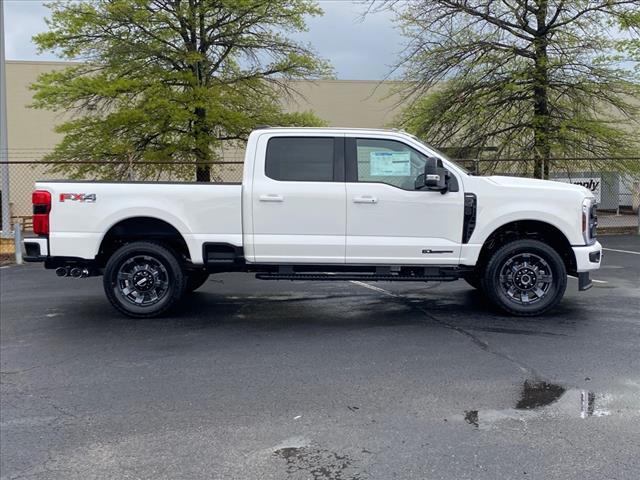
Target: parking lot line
{"type": "Point", "coordinates": [374, 288]}
{"type": "Point", "coordinates": [593, 279]}
{"type": "Point", "coordinates": [621, 251]}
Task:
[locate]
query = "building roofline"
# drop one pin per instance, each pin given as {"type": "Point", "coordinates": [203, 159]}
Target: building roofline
{"type": "Point", "coordinates": [42, 62]}
{"type": "Point", "coordinates": [331, 129]}
{"type": "Point", "coordinates": [301, 80]}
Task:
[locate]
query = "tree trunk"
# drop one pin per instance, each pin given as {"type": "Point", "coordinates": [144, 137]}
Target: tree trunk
{"type": "Point", "coordinates": [203, 174]}
{"type": "Point", "coordinates": [203, 142]}
{"type": "Point", "coordinates": [541, 115]}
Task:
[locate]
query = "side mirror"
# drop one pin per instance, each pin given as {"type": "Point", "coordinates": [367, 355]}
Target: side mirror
{"type": "Point", "coordinates": [435, 176]}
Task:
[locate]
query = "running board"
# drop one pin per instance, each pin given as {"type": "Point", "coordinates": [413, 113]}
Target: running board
{"type": "Point", "coordinates": [361, 277]}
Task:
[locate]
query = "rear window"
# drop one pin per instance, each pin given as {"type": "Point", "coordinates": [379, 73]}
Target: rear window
{"type": "Point", "coordinates": [301, 159]}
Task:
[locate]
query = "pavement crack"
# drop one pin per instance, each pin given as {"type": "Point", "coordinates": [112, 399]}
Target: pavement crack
{"type": "Point", "coordinates": [475, 339]}
{"type": "Point", "coordinates": [44, 365]}
{"type": "Point", "coordinates": [482, 344]}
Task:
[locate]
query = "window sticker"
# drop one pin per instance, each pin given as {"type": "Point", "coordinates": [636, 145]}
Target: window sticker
{"type": "Point", "coordinates": [390, 164]}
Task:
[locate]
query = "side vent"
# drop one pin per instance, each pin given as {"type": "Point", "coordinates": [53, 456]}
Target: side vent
{"type": "Point", "coordinates": [470, 210]}
{"type": "Point", "coordinates": [222, 253]}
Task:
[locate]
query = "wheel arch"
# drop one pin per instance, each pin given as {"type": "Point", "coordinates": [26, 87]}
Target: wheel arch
{"type": "Point", "coordinates": [135, 228]}
{"type": "Point", "coordinates": [528, 229]}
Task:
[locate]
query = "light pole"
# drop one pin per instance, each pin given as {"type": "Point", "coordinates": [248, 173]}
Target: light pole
{"type": "Point", "coordinates": [4, 141]}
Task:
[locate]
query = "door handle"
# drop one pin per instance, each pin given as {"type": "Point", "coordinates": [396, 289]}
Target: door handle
{"type": "Point", "coordinates": [365, 199]}
{"type": "Point", "coordinates": [271, 197]}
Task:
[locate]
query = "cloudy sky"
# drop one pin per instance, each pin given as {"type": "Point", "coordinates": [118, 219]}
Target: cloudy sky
{"type": "Point", "coordinates": [356, 49]}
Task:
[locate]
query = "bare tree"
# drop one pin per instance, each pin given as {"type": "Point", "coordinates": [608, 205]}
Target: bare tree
{"type": "Point", "coordinates": [539, 78]}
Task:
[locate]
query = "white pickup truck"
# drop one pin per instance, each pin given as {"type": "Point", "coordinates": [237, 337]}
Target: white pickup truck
{"type": "Point", "coordinates": [322, 204]}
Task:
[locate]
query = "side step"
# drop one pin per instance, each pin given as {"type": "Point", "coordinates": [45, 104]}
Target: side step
{"type": "Point", "coordinates": [372, 277]}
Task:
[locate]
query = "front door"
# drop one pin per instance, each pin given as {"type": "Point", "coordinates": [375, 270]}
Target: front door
{"type": "Point", "coordinates": [388, 221]}
{"type": "Point", "coordinates": [298, 200]}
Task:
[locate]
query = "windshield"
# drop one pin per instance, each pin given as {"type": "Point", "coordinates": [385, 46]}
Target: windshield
{"type": "Point", "coordinates": [438, 152]}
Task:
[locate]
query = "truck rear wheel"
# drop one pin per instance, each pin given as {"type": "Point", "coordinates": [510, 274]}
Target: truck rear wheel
{"type": "Point", "coordinates": [143, 279]}
{"type": "Point", "coordinates": [525, 277]}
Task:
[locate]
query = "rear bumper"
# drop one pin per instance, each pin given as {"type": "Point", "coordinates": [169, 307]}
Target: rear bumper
{"type": "Point", "coordinates": [35, 249]}
{"type": "Point", "coordinates": [588, 257]}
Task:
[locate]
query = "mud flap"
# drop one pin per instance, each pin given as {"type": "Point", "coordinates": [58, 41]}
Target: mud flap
{"type": "Point", "coordinates": [584, 282]}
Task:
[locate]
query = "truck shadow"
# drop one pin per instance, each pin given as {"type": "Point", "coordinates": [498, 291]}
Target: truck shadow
{"type": "Point", "coordinates": [339, 311]}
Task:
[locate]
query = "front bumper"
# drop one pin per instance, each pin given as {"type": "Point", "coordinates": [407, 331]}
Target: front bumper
{"type": "Point", "coordinates": [588, 257]}
{"type": "Point", "coordinates": [35, 249]}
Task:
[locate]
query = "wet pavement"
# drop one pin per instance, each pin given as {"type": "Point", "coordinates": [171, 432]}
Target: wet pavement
{"type": "Point", "coordinates": [303, 380]}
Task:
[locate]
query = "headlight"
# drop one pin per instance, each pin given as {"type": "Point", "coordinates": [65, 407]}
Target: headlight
{"type": "Point", "coordinates": [589, 220]}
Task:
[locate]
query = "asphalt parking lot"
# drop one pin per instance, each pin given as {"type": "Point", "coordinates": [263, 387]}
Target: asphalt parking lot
{"type": "Point", "coordinates": [282, 380]}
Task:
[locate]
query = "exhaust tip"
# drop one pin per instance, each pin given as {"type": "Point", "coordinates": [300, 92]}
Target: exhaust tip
{"type": "Point", "coordinates": [76, 272]}
{"type": "Point", "coordinates": [61, 272]}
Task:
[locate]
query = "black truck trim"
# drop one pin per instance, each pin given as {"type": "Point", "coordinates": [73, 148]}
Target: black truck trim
{"type": "Point", "coordinates": [470, 211]}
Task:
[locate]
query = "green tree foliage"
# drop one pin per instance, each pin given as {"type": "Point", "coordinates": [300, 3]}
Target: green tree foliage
{"type": "Point", "coordinates": [170, 80]}
{"type": "Point", "coordinates": [523, 78]}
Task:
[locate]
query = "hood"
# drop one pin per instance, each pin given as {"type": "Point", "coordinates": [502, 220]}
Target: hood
{"type": "Point", "coordinates": [519, 182]}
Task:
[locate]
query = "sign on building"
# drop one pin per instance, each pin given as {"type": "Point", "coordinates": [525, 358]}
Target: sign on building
{"type": "Point", "coordinates": [592, 183]}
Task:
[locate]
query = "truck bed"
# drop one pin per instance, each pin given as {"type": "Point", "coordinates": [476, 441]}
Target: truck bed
{"type": "Point", "coordinates": [81, 212]}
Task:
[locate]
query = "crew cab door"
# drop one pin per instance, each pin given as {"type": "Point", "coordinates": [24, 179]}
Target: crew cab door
{"type": "Point", "coordinates": [298, 199]}
{"type": "Point", "coordinates": [388, 221]}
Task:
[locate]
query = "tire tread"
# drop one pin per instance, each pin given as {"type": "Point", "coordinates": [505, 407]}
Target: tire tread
{"type": "Point", "coordinates": [156, 248]}
{"type": "Point", "coordinates": [490, 286]}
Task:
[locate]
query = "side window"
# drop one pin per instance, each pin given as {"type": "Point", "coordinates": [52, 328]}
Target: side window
{"type": "Point", "coordinates": [301, 159]}
{"type": "Point", "coordinates": [388, 161]}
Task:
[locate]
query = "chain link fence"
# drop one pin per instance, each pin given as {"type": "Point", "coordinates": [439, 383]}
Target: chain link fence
{"type": "Point", "coordinates": [614, 182]}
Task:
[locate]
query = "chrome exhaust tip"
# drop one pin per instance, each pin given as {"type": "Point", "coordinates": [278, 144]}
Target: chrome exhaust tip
{"type": "Point", "coordinates": [61, 271]}
{"type": "Point", "coordinates": [76, 272]}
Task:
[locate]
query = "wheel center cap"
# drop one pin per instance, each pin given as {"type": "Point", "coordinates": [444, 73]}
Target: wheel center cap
{"type": "Point", "coordinates": [525, 278]}
{"type": "Point", "coordinates": [143, 281]}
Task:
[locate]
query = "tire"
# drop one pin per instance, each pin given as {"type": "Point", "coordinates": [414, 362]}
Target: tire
{"type": "Point", "coordinates": [474, 280]}
{"type": "Point", "coordinates": [525, 278]}
{"type": "Point", "coordinates": [129, 271]}
{"type": "Point", "coordinates": [196, 279]}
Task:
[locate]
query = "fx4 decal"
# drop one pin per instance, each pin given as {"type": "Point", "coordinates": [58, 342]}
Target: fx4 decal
{"type": "Point", "coordinates": [78, 197]}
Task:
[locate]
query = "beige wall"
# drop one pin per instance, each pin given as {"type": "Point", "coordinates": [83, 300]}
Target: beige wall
{"type": "Point", "coordinates": [347, 103]}
{"type": "Point", "coordinates": [30, 131]}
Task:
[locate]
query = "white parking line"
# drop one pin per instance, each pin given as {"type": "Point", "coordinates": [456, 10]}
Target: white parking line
{"type": "Point", "coordinates": [375, 289]}
{"type": "Point", "coordinates": [621, 251]}
{"type": "Point", "coordinates": [593, 279]}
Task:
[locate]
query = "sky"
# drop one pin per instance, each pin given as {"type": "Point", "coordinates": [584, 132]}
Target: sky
{"type": "Point", "coordinates": [358, 50]}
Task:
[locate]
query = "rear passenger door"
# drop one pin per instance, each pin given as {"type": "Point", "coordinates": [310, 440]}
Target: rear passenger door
{"type": "Point", "coordinates": [299, 199]}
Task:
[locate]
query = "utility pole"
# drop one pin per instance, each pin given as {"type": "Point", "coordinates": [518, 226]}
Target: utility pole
{"type": "Point", "coordinates": [4, 141]}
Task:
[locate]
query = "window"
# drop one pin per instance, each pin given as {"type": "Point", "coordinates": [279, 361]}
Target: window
{"type": "Point", "coordinates": [388, 161]}
{"type": "Point", "coordinates": [301, 159]}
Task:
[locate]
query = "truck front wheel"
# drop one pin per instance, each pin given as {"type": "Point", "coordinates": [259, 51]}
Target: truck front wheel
{"type": "Point", "coordinates": [143, 279]}
{"type": "Point", "coordinates": [525, 277]}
